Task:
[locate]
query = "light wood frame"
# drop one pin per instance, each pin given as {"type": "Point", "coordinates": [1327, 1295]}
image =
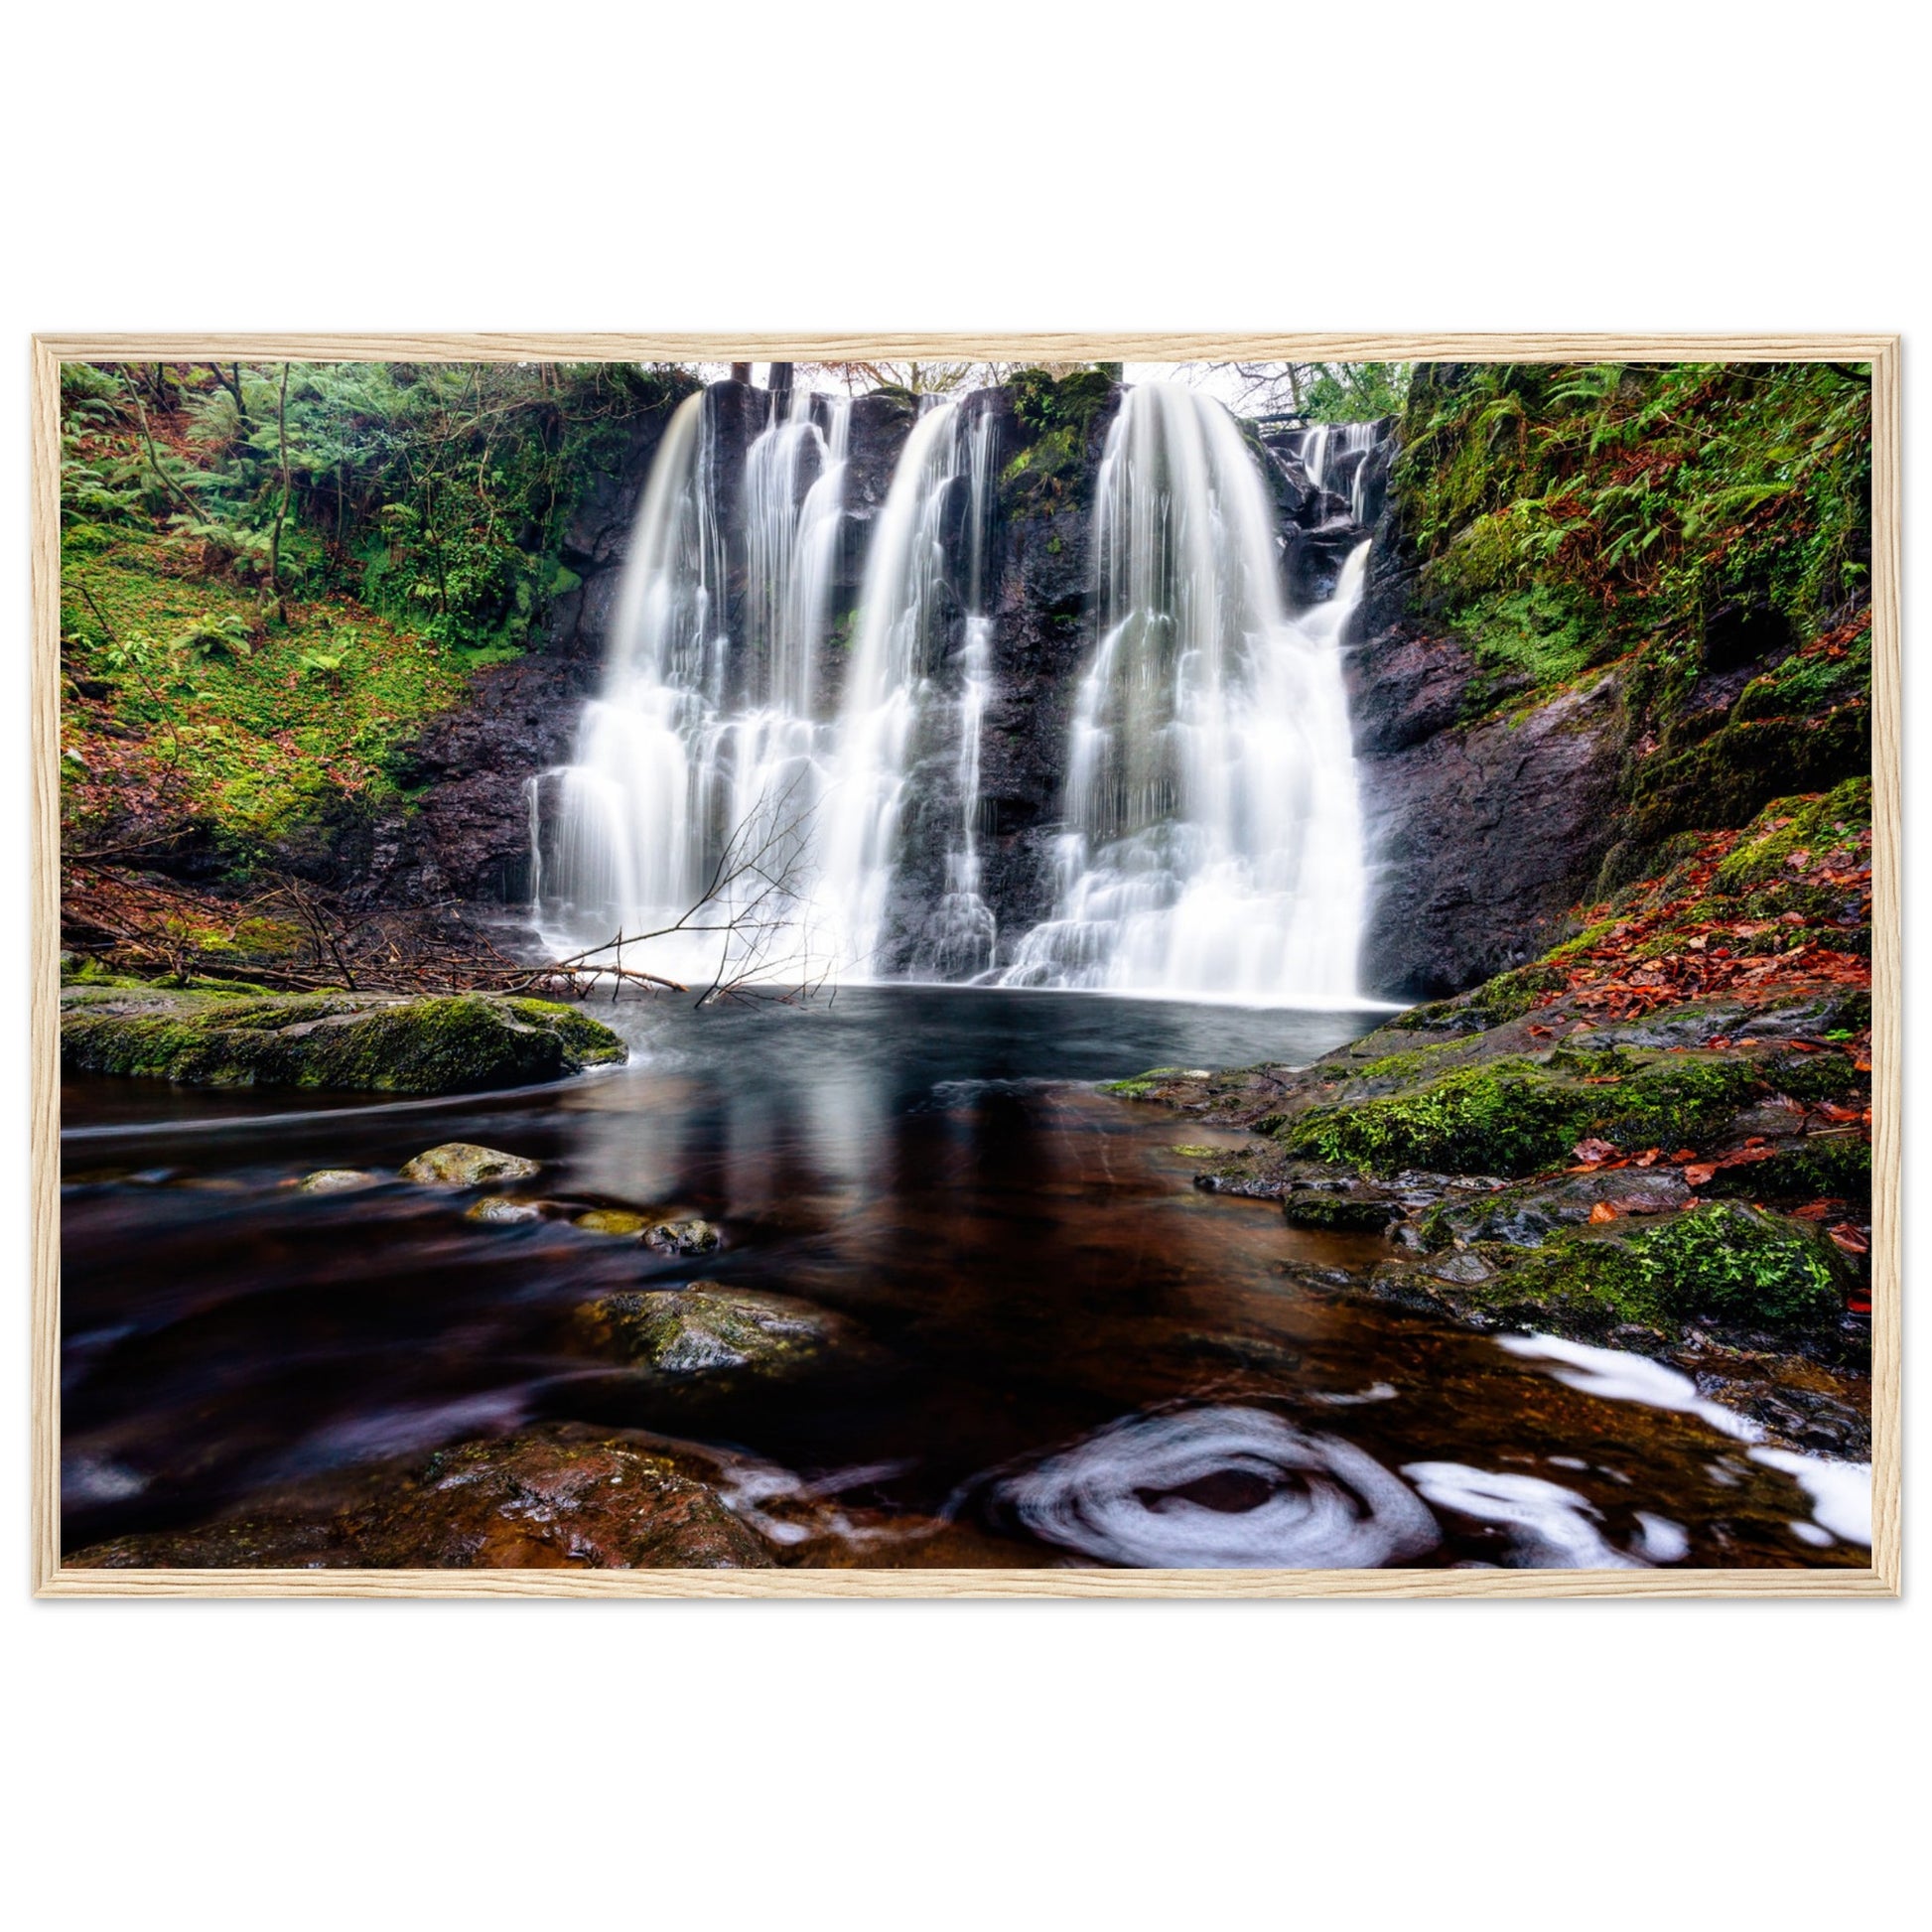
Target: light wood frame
{"type": "Point", "coordinates": [1880, 1579]}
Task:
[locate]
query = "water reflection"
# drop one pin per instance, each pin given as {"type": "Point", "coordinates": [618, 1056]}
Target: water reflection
{"type": "Point", "coordinates": [1067, 1354]}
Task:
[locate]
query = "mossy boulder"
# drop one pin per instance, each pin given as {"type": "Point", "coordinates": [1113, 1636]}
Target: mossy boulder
{"type": "Point", "coordinates": [463, 1044]}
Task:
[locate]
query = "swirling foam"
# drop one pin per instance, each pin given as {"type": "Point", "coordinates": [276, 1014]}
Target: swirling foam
{"type": "Point", "coordinates": [1327, 1506]}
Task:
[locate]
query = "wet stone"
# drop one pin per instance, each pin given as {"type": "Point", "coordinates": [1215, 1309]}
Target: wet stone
{"type": "Point", "coordinates": [335, 1181]}
{"type": "Point", "coordinates": [461, 1163]}
{"type": "Point", "coordinates": [499, 1210]}
{"type": "Point", "coordinates": [681, 1237]}
{"type": "Point", "coordinates": [709, 1328]}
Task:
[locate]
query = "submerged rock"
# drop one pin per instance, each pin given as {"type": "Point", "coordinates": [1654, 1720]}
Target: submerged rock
{"type": "Point", "coordinates": [613, 1220]}
{"type": "Point", "coordinates": [464, 1043]}
{"type": "Point", "coordinates": [709, 1328]}
{"type": "Point", "coordinates": [336, 1181]}
{"type": "Point", "coordinates": [565, 1495]}
{"type": "Point", "coordinates": [499, 1210]}
{"type": "Point", "coordinates": [461, 1163]}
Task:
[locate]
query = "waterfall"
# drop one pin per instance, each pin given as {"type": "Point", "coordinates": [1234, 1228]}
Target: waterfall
{"type": "Point", "coordinates": [1335, 456]}
{"type": "Point", "coordinates": [1210, 846]}
{"type": "Point", "coordinates": [1213, 845]}
{"type": "Point", "coordinates": [695, 751]}
{"type": "Point", "coordinates": [888, 689]}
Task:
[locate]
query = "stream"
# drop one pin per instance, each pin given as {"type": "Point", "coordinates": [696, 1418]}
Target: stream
{"type": "Point", "coordinates": [1072, 1356]}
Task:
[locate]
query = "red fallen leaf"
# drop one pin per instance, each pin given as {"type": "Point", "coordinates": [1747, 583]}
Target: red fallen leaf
{"type": "Point", "coordinates": [1850, 1239]}
{"type": "Point", "coordinates": [1832, 1111]}
{"type": "Point", "coordinates": [1857, 1305]}
{"type": "Point", "coordinates": [1593, 1152]}
{"type": "Point", "coordinates": [1719, 1045]}
{"type": "Point", "coordinates": [1603, 1211]}
{"type": "Point", "coordinates": [1799, 860]}
{"type": "Point", "coordinates": [1541, 1033]}
{"type": "Point", "coordinates": [1682, 1155]}
{"type": "Point", "coordinates": [1697, 1176]}
{"type": "Point", "coordinates": [1819, 1210]}
{"type": "Point", "coordinates": [1649, 1157]}
{"type": "Point", "coordinates": [1755, 1140]}
{"type": "Point", "coordinates": [1862, 1066]}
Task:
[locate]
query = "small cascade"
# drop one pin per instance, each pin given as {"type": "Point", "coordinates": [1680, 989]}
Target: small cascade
{"type": "Point", "coordinates": [888, 693]}
{"type": "Point", "coordinates": [1337, 458]}
{"type": "Point", "coordinates": [1214, 845]}
{"type": "Point", "coordinates": [963, 932]}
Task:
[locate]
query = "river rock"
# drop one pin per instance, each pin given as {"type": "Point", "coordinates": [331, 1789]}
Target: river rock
{"type": "Point", "coordinates": [711, 1328]}
{"type": "Point", "coordinates": [465, 1043]}
{"type": "Point", "coordinates": [461, 1163]}
{"type": "Point", "coordinates": [613, 1220]}
{"type": "Point", "coordinates": [681, 1237]}
{"type": "Point", "coordinates": [335, 1181]}
{"type": "Point", "coordinates": [499, 1210]}
{"type": "Point", "coordinates": [560, 1496]}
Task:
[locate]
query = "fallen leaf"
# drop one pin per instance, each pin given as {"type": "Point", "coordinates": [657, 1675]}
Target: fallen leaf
{"type": "Point", "coordinates": [1682, 1155]}
{"type": "Point", "coordinates": [1593, 1152]}
{"type": "Point", "coordinates": [1819, 1210]}
{"type": "Point", "coordinates": [1719, 1045]}
{"type": "Point", "coordinates": [1649, 1157]}
{"type": "Point", "coordinates": [1832, 1111]}
{"type": "Point", "coordinates": [1697, 1176]}
{"type": "Point", "coordinates": [1850, 1239]}
{"type": "Point", "coordinates": [1541, 1033]}
{"type": "Point", "coordinates": [1603, 1211]}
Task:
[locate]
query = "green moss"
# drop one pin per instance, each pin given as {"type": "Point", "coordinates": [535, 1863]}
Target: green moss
{"type": "Point", "coordinates": [1517, 1116]}
{"type": "Point", "coordinates": [459, 1044]}
{"type": "Point", "coordinates": [1141, 1084]}
{"type": "Point", "coordinates": [1834, 1166]}
{"type": "Point", "coordinates": [1504, 1117]}
{"type": "Point", "coordinates": [1719, 1261]}
{"type": "Point", "coordinates": [1792, 825]}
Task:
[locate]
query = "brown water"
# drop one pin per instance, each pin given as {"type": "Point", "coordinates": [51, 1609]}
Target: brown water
{"type": "Point", "coordinates": [1076, 1355]}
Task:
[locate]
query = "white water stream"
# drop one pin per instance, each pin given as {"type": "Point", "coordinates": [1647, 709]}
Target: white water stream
{"type": "Point", "coordinates": [1214, 845]}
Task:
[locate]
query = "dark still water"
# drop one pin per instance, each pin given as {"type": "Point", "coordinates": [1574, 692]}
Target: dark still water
{"type": "Point", "coordinates": [1052, 1349]}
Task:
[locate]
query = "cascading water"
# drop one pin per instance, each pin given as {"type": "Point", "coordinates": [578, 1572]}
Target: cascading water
{"type": "Point", "coordinates": [1335, 456]}
{"type": "Point", "coordinates": [693, 753]}
{"type": "Point", "coordinates": [1214, 846]}
{"type": "Point", "coordinates": [960, 937]}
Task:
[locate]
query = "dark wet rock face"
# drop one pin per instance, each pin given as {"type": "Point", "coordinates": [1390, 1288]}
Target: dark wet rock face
{"type": "Point", "coordinates": [565, 1495]}
{"type": "Point", "coordinates": [369, 1043]}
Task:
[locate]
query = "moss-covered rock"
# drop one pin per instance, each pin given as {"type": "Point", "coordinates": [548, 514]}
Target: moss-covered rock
{"type": "Point", "coordinates": [1339, 1213]}
{"type": "Point", "coordinates": [1521, 1113]}
{"type": "Point", "coordinates": [1720, 1262]}
{"type": "Point", "coordinates": [687, 1237]}
{"type": "Point", "coordinates": [463, 1044]}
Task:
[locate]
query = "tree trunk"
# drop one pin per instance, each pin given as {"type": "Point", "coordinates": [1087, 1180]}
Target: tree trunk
{"type": "Point", "coordinates": [282, 507]}
{"type": "Point", "coordinates": [740, 372]}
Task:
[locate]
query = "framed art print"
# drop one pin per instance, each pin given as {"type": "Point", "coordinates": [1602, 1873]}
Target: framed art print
{"type": "Point", "coordinates": [929, 965]}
